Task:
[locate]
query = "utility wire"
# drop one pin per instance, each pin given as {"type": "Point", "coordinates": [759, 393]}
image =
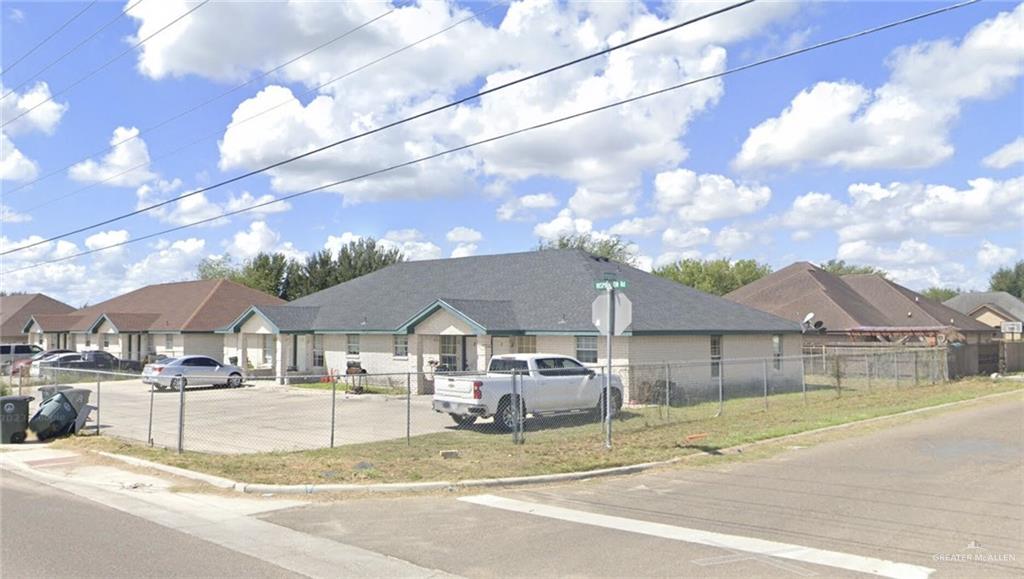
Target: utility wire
{"type": "Point", "coordinates": [573, 116]}
{"type": "Point", "coordinates": [202, 104]}
{"type": "Point", "coordinates": [106, 64]}
{"type": "Point", "coordinates": [49, 37]}
{"type": "Point", "coordinates": [71, 50]}
{"type": "Point", "coordinates": [236, 123]}
{"type": "Point", "coordinates": [384, 127]}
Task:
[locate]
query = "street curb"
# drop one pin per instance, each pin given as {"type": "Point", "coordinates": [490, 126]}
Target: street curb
{"type": "Point", "coordinates": [256, 488]}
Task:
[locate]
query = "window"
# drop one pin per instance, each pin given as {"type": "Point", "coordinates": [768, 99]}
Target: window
{"type": "Point", "coordinates": [450, 352]}
{"type": "Point", "coordinates": [169, 341]}
{"type": "Point", "coordinates": [524, 344]}
{"type": "Point", "coordinates": [777, 351]}
{"type": "Point", "coordinates": [106, 340]}
{"type": "Point", "coordinates": [508, 365]}
{"type": "Point", "coordinates": [318, 351]}
{"type": "Point", "coordinates": [88, 340]}
{"type": "Point", "coordinates": [716, 356]}
{"type": "Point", "coordinates": [353, 345]}
{"type": "Point", "coordinates": [5, 349]}
{"type": "Point", "coordinates": [40, 340]}
{"type": "Point", "coordinates": [400, 345]}
{"type": "Point", "coordinates": [268, 349]}
{"type": "Point", "coordinates": [586, 349]}
{"type": "Point", "coordinates": [559, 367]}
{"type": "Point", "coordinates": [22, 349]}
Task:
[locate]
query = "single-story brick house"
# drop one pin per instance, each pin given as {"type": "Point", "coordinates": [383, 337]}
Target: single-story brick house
{"type": "Point", "coordinates": [414, 316]}
{"type": "Point", "coordinates": [15, 311]}
{"type": "Point", "coordinates": [173, 319]}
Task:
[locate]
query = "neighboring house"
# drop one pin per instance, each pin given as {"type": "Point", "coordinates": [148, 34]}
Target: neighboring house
{"type": "Point", "coordinates": [173, 319]}
{"type": "Point", "coordinates": [991, 309]}
{"type": "Point", "coordinates": [866, 309]}
{"type": "Point", "coordinates": [457, 313]}
{"type": "Point", "coordinates": [15, 311]}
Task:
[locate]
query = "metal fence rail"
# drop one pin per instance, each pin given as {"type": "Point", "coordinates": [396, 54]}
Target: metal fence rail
{"type": "Point", "coordinates": [323, 411]}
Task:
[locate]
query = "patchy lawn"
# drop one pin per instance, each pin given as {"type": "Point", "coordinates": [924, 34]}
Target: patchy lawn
{"type": "Point", "coordinates": [564, 445]}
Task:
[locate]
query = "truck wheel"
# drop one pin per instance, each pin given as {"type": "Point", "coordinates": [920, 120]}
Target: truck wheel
{"type": "Point", "coordinates": [463, 421]}
{"type": "Point", "coordinates": [616, 404]}
{"type": "Point", "coordinates": [505, 418]}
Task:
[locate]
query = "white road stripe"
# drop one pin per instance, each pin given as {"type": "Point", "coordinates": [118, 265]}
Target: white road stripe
{"type": "Point", "coordinates": [834, 559]}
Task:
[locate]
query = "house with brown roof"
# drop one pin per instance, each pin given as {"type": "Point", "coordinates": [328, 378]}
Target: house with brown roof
{"type": "Point", "coordinates": [172, 319]}
{"type": "Point", "coordinates": [15, 311]}
{"type": "Point", "coordinates": [996, 309]}
{"type": "Point", "coordinates": [858, 308]}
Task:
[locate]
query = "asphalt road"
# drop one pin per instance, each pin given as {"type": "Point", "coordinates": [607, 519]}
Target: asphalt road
{"type": "Point", "coordinates": [941, 496]}
{"type": "Point", "coordinates": [50, 533]}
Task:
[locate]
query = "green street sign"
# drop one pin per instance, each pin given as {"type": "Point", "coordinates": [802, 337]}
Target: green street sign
{"type": "Point", "coordinates": [615, 284]}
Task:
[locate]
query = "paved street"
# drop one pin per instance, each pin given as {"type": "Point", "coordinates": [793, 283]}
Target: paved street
{"type": "Point", "coordinates": [259, 418]}
{"type": "Point", "coordinates": [914, 498]}
{"type": "Point", "coordinates": [51, 533]}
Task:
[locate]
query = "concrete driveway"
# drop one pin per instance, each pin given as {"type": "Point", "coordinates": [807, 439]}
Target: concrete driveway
{"type": "Point", "coordinates": [258, 418]}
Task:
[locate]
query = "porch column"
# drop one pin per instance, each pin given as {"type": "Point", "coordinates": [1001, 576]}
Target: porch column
{"type": "Point", "coordinates": [416, 361]}
{"type": "Point", "coordinates": [483, 353]}
{"type": "Point", "coordinates": [279, 361]}
{"type": "Point", "coordinates": [241, 349]}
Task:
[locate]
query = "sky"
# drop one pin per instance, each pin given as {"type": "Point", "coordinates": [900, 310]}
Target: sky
{"type": "Point", "coordinates": [902, 150]}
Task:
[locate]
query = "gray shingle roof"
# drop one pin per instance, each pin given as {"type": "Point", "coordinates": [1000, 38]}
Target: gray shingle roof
{"type": "Point", "coordinates": [536, 291]}
{"type": "Point", "coordinates": [290, 318]}
{"type": "Point", "coordinates": [967, 303]}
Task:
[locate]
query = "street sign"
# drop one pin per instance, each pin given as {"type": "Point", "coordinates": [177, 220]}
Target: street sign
{"type": "Point", "coordinates": [615, 284]}
{"type": "Point", "coordinates": [1012, 327]}
{"type": "Point", "coordinates": [623, 313]}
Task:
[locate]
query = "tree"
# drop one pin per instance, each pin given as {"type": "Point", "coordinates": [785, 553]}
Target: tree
{"type": "Point", "coordinates": [324, 269]}
{"type": "Point", "coordinates": [612, 247]}
{"type": "Point", "coordinates": [217, 267]}
{"type": "Point", "coordinates": [840, 267]}
{"type": "Point", "coordinates": [267, 272]}
{"type": "Point", "coordinates": [715, 276]}
{"type": "Point", "coordinates": [1009, 280]}
{"type": "Point", "coordinates": [940, 294]}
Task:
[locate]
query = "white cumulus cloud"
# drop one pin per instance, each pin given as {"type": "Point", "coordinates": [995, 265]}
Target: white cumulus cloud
{"type": "Point", "coordinates": [992, 256]}
{"type": "Point", "coordinates": [1009, 154]}
{"type": "Point", "coordinates": [692, 197]}
{"type": "Point", "coordinates": [126, 165]}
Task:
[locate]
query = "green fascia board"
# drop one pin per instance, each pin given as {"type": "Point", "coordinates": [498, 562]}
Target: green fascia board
{"type": "Point", "coordinates": [426, 312]}
{"type": "Point", "coordinates": [236, 326]}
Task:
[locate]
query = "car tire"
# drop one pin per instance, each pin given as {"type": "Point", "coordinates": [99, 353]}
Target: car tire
{"type": "Point", "coordinates": [504, 418]}
{"type": "Point", "coordinates": [616, 404]}
{"type": "Point", "coordinates": [160, 386]}
{"type": "Point", "coordinates": [235, 380]}
{"type": "Point", "coordinates": [463, 421]}
{"type": "Point", "coordinates": [179, 383]}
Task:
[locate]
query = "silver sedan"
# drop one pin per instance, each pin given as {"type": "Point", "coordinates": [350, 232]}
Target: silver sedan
{"type": "Point", "coordinates": [191, 371]}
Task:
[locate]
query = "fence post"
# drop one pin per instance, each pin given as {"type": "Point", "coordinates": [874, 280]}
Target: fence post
{"type": "Point", "coordinates": [181, 415]}
{"type": "Point", "coordinates": [668, 389]}
{"type": "Point", "coordinates": [803, 378]}
{"type": "Point", "coordinates": [838, 363]}
{"type": "Point", "coordinates": [896, 367]}
{"type": "Point", "coordinates": [870, 360]}
{"type": "Point", "coordinates": [149, 430]}
{"type": "Point", "coordinates": [765, 376]}
{"type": "Point", "coordinates": [334, 403]}
{"type": "Point", "coordinates": [721, 400]}
{"type": "Point", "coordinates": [916, 376]}
{"type": "Point", "coordinates": [408, 408]}
{"type": "Point", "coordinates": [99, 404]}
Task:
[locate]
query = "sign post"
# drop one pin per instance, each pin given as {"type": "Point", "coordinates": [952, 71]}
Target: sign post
{"type": "Point", "coordinates": [612, 313]}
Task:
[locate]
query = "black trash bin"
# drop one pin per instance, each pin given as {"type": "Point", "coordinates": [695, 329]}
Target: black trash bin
{"type": "Point", "coordinates": [47, 392]}
{"type": "Point", "coordinates": [55, 417]}
{"type": "Point", "coordinates": [13, 418]}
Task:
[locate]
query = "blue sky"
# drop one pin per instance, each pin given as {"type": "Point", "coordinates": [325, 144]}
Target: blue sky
{"type": "Point", "coordinates": [899, 150]}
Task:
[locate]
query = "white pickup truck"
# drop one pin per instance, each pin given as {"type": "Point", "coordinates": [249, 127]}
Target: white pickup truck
{"type": "Point", "coordinates": [550, 384]}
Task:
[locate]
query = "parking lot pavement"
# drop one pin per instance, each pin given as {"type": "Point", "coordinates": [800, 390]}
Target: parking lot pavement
{"type": "Point", "coordinates": [258, 418]}
{"type": "Point", "coordinates": [939, 497]}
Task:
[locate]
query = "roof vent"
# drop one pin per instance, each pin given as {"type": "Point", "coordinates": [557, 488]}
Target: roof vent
{"type": "Point", "coordinates": [917, 298]}
{"type": "Point", "coordinates": [910, 314]}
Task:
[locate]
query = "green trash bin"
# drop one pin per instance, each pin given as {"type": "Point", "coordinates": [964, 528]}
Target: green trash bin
{"type": "Point", "coordinates": [78, 397]}
{"type": "Point", "coordinates": [13, 418]}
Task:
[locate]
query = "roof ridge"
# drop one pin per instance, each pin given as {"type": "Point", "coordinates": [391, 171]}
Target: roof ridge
{"type": "Point", "coordinates": [203, 303]}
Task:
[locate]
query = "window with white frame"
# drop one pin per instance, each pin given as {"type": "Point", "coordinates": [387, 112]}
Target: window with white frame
{"type": "Point", "coordinates": [169, 341]}
{"type": "Point", "coordinates": [400, 345]}
{"type": "Point", "coordinates": [524, 344]}
{"type": "Point", "coordinates": [268, 349]}
{"type": "Point", "coordinates": [716, 356]}
{"type": "Point", "coordinates": [450, 352]}
{"type": "Point", "coordinates": [777, 351]}
{"type": "Point", "coordinates": [586, 349]}
{"type": "Point", "coordinates": [106, 340]}
{"type": "Point", "coordinates": [318, 351]}
{"type": "Point", "coordinates": [40, 340]}
{"type": "Point", "coordinates": [352, 348]}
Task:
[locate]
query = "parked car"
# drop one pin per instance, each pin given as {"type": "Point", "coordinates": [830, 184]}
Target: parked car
{"type": "Point", "coordinates": [105, 361]}
{"type": "Point", "coordinates": [186, 371]}
{"type": "Point", "coordinates": [22, 365]}
{"type": "Point", "coordinates": [46, 366]}
{"type": "Point", "coordinates": [11, 353]}
{"type": "Point", "coordinates": [551, 385]}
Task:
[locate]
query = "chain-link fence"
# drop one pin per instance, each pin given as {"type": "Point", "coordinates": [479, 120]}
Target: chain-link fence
{"type": "Point", "coordinates": [216, 414]}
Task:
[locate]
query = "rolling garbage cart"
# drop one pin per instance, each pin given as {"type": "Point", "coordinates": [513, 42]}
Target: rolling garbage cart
{"type": "Point", "coordinates": [13, 418]}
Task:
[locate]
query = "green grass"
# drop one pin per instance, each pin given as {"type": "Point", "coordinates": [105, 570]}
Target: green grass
{"type": "Point", "coordinates": [553, 446]}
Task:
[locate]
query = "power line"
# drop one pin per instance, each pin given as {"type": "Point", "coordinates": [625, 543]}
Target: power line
{"type": "Point", "coordinates": [72, 49]}
{"type": "Point", "coordinates": [386, 126]}
{"type": "Point", "coordinates": [49, 37]}
{"type": "Point", "coordinates": [202, 104]}
{"type": "Point", "coordinates": [236, 123]}
{"type": "Point", "coordinates": [544, 124]}
{"type": "Point", "coordinates": [107, 63]}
